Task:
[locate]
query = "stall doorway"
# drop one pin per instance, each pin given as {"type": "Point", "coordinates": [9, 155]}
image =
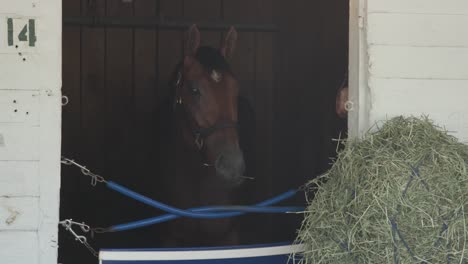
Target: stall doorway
{"type": "Point", "coordinates": [291, 59]}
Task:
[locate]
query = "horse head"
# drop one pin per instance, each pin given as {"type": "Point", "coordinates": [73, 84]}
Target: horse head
{"type": "Point", "coordinates": [206, 91]}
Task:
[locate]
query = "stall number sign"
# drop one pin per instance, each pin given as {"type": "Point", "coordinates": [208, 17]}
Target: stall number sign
{"type": "Point", "coordinates": [20, 33]}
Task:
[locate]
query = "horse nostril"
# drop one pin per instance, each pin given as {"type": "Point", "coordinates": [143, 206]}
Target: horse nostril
{"type": "Point", "coordinates": [230, 166]}
{"type": "Point", "coordinates": [219, 161]}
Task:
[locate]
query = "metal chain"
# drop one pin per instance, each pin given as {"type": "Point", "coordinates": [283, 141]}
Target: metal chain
{"type": "Point", "coordinates": [95, 178]}
{"type": "Point", "coordinates": [68, 225]}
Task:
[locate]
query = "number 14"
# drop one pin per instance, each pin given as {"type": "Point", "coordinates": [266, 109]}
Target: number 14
{"type": "Point", "coordinates": [27, 33]}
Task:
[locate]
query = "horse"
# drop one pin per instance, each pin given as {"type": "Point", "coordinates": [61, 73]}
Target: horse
{"type": "Point", "coordinates": [341, 109]}
{"type": "Point", "coordinates": [203, 161]}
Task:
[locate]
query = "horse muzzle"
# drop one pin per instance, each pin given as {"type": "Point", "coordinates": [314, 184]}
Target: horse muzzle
{"type": "Point", "coordinates": [230, 165]}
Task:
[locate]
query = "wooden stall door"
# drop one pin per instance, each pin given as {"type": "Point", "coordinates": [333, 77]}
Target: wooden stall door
{"type": "Point", "coordinates": [115, 78]}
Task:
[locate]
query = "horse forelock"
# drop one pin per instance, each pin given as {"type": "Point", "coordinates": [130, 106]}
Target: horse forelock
{"type": "Point", "coordinates": [212, 59]}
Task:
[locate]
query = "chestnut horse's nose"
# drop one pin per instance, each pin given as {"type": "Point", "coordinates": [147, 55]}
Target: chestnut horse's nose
{"type": "Point", "coordinates": [230, 165]}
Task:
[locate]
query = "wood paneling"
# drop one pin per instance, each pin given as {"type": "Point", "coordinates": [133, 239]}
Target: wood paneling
{"type": "Point", "coordinates": [74, 137]}
{"type": "Point", "coordinates": [83, 135]}
{"type": "Point", "coordinates": [169, 47]}
{"type": "Point", "coordinates": [119, 111]}
{"type": "Point", "coordinates": [289, 77]}
{"type": "Point", "coordinates": [205, 10]}
{"type": "Point", "coordinates": [145, 72]}
{"type": "Point", "coordinates": [243, 60]}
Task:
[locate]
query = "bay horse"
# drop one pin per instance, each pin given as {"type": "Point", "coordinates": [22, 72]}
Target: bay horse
{"type": "Point", "coordinates": [204, 163]}
{"type": "Point", "coordinates": [342, 99]}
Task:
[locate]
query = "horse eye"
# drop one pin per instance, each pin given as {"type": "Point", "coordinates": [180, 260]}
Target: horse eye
{"type": "Point", "coordinates": [195, 91]}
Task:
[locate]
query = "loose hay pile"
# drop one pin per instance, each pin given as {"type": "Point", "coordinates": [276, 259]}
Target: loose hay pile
{"type": "Point", "coordinates": [398, 196]}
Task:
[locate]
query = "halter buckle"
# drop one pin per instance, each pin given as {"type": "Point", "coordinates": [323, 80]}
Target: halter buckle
{"type": "Point", "coordinates": [199, 141]}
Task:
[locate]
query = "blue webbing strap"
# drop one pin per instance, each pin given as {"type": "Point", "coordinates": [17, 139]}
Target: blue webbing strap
{"type": "Point", "coordinates": [209, 212]}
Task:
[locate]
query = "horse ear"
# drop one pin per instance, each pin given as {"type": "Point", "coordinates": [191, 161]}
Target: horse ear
{"type": "Point", "coordinates": [229, 43]}
{"type": "Point", "coordinates": [192, 41]}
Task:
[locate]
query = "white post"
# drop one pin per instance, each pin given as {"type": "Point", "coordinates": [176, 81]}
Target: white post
{"type": "Point", "coordinates": [358, 70]}
{"type": "Point", "coordinates": [30, 130]}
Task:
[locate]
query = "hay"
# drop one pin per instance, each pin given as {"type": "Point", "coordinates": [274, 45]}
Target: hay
{"type": "Point", "coordinates": [400, 195]}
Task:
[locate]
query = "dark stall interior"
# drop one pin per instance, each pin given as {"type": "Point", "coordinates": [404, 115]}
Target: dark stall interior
{"type": "Point", "coordinates": [291, 58]}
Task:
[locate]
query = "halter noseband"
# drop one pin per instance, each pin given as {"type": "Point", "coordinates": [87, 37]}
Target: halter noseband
{"type": "Point", "coordinates": [201, 133]}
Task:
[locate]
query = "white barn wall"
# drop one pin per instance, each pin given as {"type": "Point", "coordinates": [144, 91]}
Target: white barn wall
{"type": "Point", "coordinates": [416, 61]}
{"type": "Point", "coordinates": [30, 124]}
{"type": "Point", "coordinates": [452, 7]}
{"type": "Point", "coordinates": [397, 29]}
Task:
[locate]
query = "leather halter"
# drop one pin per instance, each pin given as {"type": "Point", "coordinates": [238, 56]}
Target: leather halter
{"type": "Point", "coordinates": [201, 133]}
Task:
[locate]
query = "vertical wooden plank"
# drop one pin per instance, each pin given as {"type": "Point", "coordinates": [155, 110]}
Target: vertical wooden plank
{"type": "Point", "coordinates": [298, 21]}
{"type": "Point", "coordinates": [71, 89]}
{"type": "Point", "coordinates": [243, 65]}
{"type": "Point", "coordinates": [71, 8]}
{"type": "Point", "coordinates": [170, 53]}
{"type": "Point", "coordinates": [243, 60]}
{"type": "Point", "coordinates": [264, 97]}
{"type": "Point", "coordinates": [145, 172]}
{"type": "Point", "coordinates": [145, 62]}
{"type": "Point", "coordinates": [71, 124]}
{"type": "Point", "coordinates": [298, 80]}
{"type": "Point", "coordinates": [93, 88]}
{"type": "Point", "coordinates": [171, 8]}
{"type": "Point", "coordinates": [169, 47]}
{"type": "Point", "coordinates": [119, 110]}
{"type": "Point", "coordinates": [71, 119]}
{"type": "Point", "coordinates": [81, 197]}
{"type": "Point", "coordinates": [332, 65]}
{"type": "Point", "coordinates": [313, 46]}
{"type": "Point", "coordinates": [119, 92]}
{"type": "Point", "coordinates": [145, 88]}
{"type": "Point", "coordinates": [145, 83]}
{"type": "Point", "coordinates": [264, 85]}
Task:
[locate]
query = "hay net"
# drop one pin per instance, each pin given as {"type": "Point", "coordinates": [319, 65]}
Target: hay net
{"type": "Point", "coordinates": [399, 195]}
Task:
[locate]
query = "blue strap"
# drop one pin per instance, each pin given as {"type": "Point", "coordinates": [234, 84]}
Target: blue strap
{"type": "Point", "coordinates": [201, 212]}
